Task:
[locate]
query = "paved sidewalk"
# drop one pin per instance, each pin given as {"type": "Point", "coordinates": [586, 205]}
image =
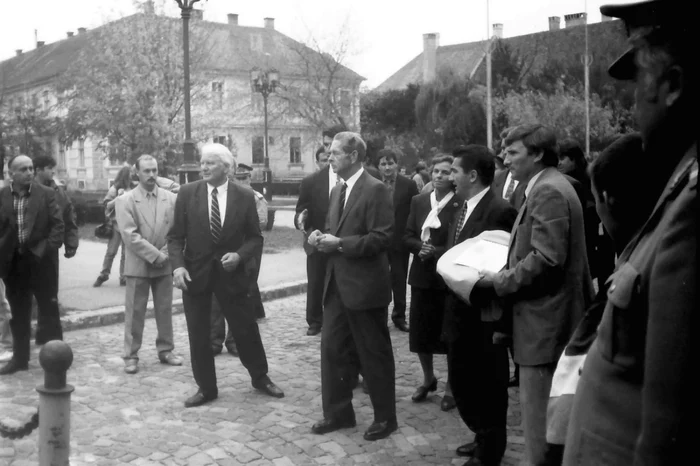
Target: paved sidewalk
{"type": "Point", "coordinates": [140, 420]}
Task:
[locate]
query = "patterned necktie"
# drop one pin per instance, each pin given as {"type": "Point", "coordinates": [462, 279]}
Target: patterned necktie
{"type": "Point", "coordinates": [343, 192]}
{"type": "Point", "coordinates": [460, 224]}
{"type": "Point", "coordinates": [510, 189]}
{"type": "Point", "coordinates": [215, 220]}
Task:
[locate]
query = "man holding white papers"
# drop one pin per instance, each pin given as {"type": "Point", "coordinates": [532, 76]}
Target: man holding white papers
{"type": "Point", "coordinates": [478, 369]}
{"type": "Point", "coordinates": [546, 280]}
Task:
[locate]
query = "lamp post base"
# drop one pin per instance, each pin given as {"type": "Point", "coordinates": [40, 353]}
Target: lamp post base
{"type": "Point", "coordinates": [267, 183]}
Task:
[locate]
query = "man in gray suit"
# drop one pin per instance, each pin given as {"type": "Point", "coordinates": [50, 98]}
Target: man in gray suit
{"type": "Point", "coordinates": [546, 280]}
{"type": "Point", "coordinates": [144, 215]}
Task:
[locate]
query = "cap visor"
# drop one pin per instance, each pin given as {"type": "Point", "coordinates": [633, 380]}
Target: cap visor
{"type": "Point", "coordinates": [624, 68]}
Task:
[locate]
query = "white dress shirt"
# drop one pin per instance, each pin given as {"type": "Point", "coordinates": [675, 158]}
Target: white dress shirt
{"type": "Point", "coordinates": [532, 182]}
{"type": "Point", "coordinates": [473, 202]}
{"type": "Point", "coordinates": [332, 180]}
{"type": "Point", "coordinates": [222, 196]}
{"type": "Point", "coordinates": [509, 177]}
{"type": "Point", "coordinates": [351, 182]}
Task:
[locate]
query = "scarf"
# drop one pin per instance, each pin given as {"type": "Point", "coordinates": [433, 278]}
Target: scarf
{"type": "Point", "coordinates": [432, 220]}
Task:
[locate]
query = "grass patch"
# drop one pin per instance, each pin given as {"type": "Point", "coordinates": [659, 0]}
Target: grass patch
{"type": "Point", "coordinates": [279, 239]}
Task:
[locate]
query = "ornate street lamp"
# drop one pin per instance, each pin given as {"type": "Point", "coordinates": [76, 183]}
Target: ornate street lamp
{"type": "Point", "coordinates": [189, 170]}
{"type": "Point", "coordinates": [265, 82]}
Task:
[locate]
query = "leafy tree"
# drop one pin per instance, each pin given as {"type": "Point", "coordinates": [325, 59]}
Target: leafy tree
{"type": "Point", "coordinates": [126, 88]}
{"type": "Point", "coordinates": [450, 112]}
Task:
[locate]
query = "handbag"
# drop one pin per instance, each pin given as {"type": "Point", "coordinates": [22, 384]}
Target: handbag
{"type": "Point", "coordinates": [105, 230]}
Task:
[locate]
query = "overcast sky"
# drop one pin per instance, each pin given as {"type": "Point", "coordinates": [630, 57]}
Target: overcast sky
{"type": "Point", "coordinates": [386, 33]}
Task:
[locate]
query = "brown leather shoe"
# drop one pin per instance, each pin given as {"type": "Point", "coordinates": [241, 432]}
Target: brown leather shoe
{"type": "Point", "coordinates": [266, 386]}
{"type": "Point", "coordinates": [13, 366]}
{"type": "Point", "coordinates": [198, 399]}
{"type": "Point", "coordinates": [380, 430]}
{"type": "Point", "coordinates": [329, 425]}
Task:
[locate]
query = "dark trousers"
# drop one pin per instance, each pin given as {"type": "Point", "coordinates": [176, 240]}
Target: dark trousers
{"type": "Point", "coordinates": [238, 311]}
{"type": "Point", "coordinates": [398, 261]}
{"type": "Point", "coordinates": [368, 330]}
{"type": "Point", "coordinates": [478, 372]}
{"type": "Point", "coordinates": [29, 275]}
{"type": "Point", "coordinates": [316, 275]}
{"type": "Point", "coordinates": [48, 324]}
{"type": "Point", "coordinates": [219, 335]}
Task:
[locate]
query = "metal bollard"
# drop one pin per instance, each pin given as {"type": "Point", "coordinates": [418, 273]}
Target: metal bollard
{"type": "Point", "coordinates": [54, 404]}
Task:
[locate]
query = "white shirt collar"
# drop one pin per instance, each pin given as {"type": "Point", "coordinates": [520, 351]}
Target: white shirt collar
{"type": "Point", "coordinates": [474, 201]}
{"type": "Point", "coordinates": [353, 179]}
{"type": "Point", "coordinates": [532, 182]}
{"type": "Point", "coordinates": [220, 189]}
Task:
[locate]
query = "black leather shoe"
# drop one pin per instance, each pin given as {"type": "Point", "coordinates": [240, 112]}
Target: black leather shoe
{"type": "Point", "coordinates": [232, 350]}
{"type": "Point", "coordinates": [514, 382]}
{"type": "Point", "coordinates": [401, 325]}
{"type": "Point", "coordinates": [216, 350]}
{"type": "Point", "coordinates": [198, 399]}
{"type": "Point", "coordinates": [329, 425]}
{"type": "Point", "coordinates": [448, 403]}
{"type": "Point", "coordinates": [421, 392]}
{"type": "Point", "coordinates": [266, 386]}
{"type": "Point", "coordinates": [313, 331]}
{"type": "Point", "coordinates": [380, 430]}
{"type": "Point", "coordinates": [13, 366]}
{"type": "Point", "coordinates": [467, 449]}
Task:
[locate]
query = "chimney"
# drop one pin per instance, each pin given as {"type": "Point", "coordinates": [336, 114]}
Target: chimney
{"type": "Point", "coordinates": [197, 14]}
{"type": "Point", "coordinates": [269, 23]}
{"type": "Point", "coordinates": [431, 42]}
{"type": "Point", "coordinates": [18, 52]}
{"type": "Point", "coordinates": [69, 34]}
{"type": "Point", "coordinates": [40, 43]}
{"type": "Point", "coordinates": [82, 30]}
{"type": "Point", "coordinates": [554, 23]}
{"type": "Point", "coordinates": [605, 18]}
{"type": "Point", "coordinates": [575, 19]}
{"type": "Point", "coordinates": [232, 19]}
{"type": "Point", "coordinates": [498, 30]}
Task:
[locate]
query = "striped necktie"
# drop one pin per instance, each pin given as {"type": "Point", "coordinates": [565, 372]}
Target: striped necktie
{"type": "Point", "coordinates": [460, 224]}
{"type": "Point", "coordinates": [215, 219]}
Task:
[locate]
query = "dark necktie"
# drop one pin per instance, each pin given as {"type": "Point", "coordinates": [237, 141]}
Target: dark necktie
{"type": "Point", "coordinates": [343, 192]}
{"type": "Point", "coordinates": [460, 224]}
{"type": "Point", "coordinates": [215, 220]}
{"type": "Point", "coordinates": [510, 189]}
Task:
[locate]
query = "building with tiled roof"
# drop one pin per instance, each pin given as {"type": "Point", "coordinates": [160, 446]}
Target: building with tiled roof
{"type": "Point", "coordinates": [231, 115]}
{"type": "Point", "coordinates": [566, 45]}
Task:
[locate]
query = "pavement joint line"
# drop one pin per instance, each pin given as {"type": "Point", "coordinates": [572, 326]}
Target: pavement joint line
{"type": "Point", "coordinates": [77, 320]}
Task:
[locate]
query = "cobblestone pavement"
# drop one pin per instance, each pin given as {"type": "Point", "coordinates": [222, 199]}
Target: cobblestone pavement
{"type": "Point", "coordinates": [140, 419]}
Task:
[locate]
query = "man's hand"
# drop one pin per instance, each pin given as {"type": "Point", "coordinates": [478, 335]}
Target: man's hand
{"type": "Point", "coordinates": [301, 219]}
{"type": "Point", "coordinates": [180, 278]}
{"type": "Point", "coordinates": [230, 261]}
{"type": "Point", "coordinates": [426, 251]}
{"type": "Point", "coordinates": [314, 237]}
{"type": "Point", "coordinates": [328, 243]}
{"type": "Point", "coordinates": [68, 253]}
{"type": "Point", "coordinates": [485, 279]}
{"type": "Point", "coordinates": [160, 262]}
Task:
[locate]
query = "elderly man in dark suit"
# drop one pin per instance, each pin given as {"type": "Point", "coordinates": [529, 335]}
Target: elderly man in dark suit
{"type": "Point", "coordinates": [31, 231]}
{"type": "Point", "coordinates": [636, 401]}
{"type": "Point", "coordinates": [478, 368]}
{"type": "Point", "coordinates": [357, 293]}
{"type": "Point", "coordinates": [546, 279]}
{"type": "Point", "coordinates": [402, 190]}
{"type": "Point", "coordinates": [215, 232]}
{"type": "Point", "coordinates": [312, 208]}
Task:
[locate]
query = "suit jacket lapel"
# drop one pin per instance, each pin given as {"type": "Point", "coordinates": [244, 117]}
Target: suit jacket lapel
{"type": "Point", "coordinates": [8, 206]}
{"type": "Point", "coordinates": [161, 209]}
{"type": "Point", "coordinates": [355, 194]}
{"type": "Point", "coordinates": [33, 207]}
{"type": "Point", "coordinates": [142, 209]}
{"type": "Point", "coordinates": [201, 210]}
{"type": "Point", "coordinates": [228, 226]}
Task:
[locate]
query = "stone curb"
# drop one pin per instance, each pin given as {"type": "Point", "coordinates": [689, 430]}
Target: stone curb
{"type": "Point", "coordinates": [77, 320]}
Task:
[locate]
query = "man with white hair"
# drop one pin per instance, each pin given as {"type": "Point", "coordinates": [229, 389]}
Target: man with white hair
{"type": "Point", "coordinates": [215, 232]}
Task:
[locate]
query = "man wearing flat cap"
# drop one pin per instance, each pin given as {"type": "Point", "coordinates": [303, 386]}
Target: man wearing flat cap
{"type": "Point", "coordinates": [635, 401]}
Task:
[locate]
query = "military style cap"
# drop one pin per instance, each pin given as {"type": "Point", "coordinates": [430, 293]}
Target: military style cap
{"type": "Point", "coordinates": [637, 15]}
{"type": "Point", "coordinates": [243, 171]}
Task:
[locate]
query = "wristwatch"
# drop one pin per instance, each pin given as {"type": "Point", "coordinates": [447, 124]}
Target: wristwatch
{"type": "Point", "coordinates": [340, 245]}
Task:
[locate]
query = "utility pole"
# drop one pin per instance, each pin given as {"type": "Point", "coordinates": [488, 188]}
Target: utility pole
{"type": "Point", "coordinates": [489, 115]}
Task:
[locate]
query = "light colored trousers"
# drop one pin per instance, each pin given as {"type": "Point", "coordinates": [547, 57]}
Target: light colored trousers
{"type": "Point", "coordinates": [137, 291]}
{"type": "Point", "coordinates": [5, 316]}
{"type": "Point", "coordinates": [535, 386]}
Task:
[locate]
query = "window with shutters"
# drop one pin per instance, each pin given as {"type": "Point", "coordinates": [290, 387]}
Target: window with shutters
{"type": "Point", "coordinates": [295, 150]}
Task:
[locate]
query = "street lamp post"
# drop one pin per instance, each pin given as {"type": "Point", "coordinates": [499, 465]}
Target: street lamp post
{"type": "Point", "coordinates": [189, 170]}
{"type": "Point", "coordinates": [265, 82]}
